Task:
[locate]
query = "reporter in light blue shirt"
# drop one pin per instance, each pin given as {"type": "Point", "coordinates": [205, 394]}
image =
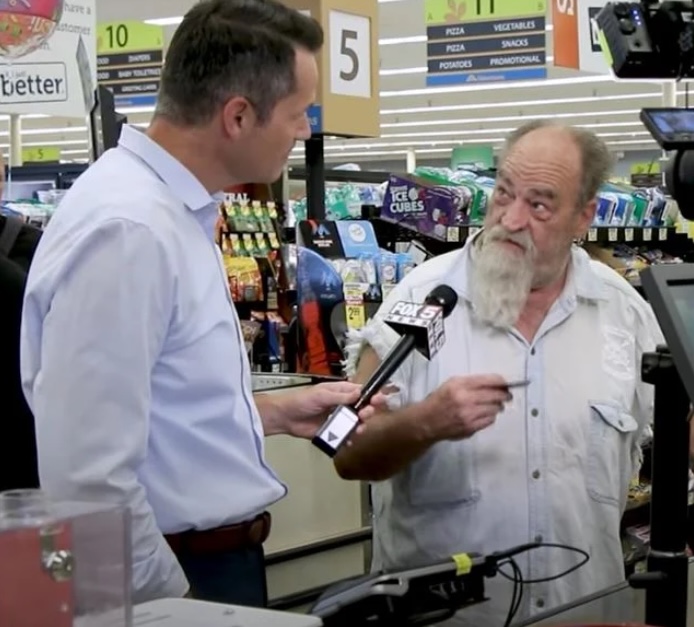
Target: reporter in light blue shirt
{"type": "Point", "coordinates": [132, 357]}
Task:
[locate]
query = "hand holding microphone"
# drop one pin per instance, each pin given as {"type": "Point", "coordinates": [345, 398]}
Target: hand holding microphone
{"type": "Point", "coordinates": [421, 328]}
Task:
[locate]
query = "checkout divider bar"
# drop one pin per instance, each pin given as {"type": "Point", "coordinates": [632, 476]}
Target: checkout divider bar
{"type": "Point", "coordinates": [310, 595]}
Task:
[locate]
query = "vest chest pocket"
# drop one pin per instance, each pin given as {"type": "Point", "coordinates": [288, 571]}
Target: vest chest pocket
{"type": "Point", "coordinates": [612, 432]}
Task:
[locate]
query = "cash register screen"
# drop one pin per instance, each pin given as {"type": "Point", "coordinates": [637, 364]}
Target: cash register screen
{"type": "Point", "coordinates": [683, 296]}
{"type": "Point", "coordinates": [674, 121]}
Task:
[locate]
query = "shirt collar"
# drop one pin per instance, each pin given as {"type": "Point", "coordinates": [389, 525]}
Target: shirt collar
{"type": "Point", "coordinates": [582, 282]}
{"type": "Point", "coordinates": [180, 181]}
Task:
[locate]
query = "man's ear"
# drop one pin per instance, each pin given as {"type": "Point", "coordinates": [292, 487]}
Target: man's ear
{"type": "Point", "coordinates": [585, 218]}
{"type": "Point", "coordinates": [238, 116]}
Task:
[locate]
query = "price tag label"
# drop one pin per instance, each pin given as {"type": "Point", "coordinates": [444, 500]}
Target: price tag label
{"type": "Point", "coordinates": [629, 235]}
{"type": "Point", "coordinates": [612, 234]}
{"type": "Point", "coordinates": [350, 54]}
{"type": "Point", "coordinates": [354, 292]}
{"type": "Point", "coordinates": [593, 235]}
{"type": "Point", "coordinates": [128, 36]}
{"type": "Point", "coordinates": [647, 235]}
{"type": "Point", "coordinates": [662, 235]}
{"type": "Point", "coordinates": [355, 316]}
{"type": "Point", "coordinates": [41, 154]}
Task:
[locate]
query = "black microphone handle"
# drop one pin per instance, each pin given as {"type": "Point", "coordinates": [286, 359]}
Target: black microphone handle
{"type": "Point", "coordinates": [385, 370]}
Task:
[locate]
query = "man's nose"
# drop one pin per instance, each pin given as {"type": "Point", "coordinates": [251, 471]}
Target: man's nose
{"type": "Point", "coordinates": [304, 132]}
{"type": "Point", "coordinates": [516, 216]}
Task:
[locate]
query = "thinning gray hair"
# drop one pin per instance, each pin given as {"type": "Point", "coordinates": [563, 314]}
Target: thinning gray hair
{"type": "Point", "coordinates": [596, 160]}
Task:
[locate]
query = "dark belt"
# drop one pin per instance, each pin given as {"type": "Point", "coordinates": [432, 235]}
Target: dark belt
{"type": "Point", "coordinates": [230, 538]}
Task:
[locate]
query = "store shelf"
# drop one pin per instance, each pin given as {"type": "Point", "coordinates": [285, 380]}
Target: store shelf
{"type": "Point", "coordinates": [456, 236]}
{"type": "Point", "coordinates": [631, 235]}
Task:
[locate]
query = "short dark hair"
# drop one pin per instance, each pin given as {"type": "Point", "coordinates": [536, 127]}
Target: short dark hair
{"type": "Point", "coordinates": [226, 48]}
{"type": "Point", "coordinates": [596, 160]}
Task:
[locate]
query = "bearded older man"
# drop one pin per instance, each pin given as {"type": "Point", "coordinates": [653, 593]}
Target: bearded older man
{"type": "Point", "coordinates": [459, 461]}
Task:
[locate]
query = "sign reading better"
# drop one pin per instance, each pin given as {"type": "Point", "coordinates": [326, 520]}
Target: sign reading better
{"type": "Point", "coordinates": [33, 82]}
{"type": "Point", "coordinates": [57, 77]}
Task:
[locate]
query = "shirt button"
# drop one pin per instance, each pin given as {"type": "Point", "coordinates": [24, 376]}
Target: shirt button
{"type": "Point", "coordinates": [539, 538]}
{"type": "Point", "coordinates": [540, 603]}
{"type": "Point", "coordinates": [535, 413]}
{"type": "Point", "coordinates": [536, 474]}
{"type": "Point", "coordinates": [532, 351]}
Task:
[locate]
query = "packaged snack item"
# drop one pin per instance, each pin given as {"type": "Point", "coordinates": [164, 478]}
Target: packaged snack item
{"type": "Point", "coordinates": [245, 279]}
{"type": "Point", "coordinates": [388, 269]}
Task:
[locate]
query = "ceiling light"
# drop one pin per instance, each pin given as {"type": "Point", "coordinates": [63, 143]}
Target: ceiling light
{"type": "Point", "coordinates": [506, 118]}
{"type": "Point", "coordinates": [550, 82]}
{"type": "Point", "coordinates": [165, 21]}
{"type": "Point", "coordinates": [126, 110]}
{"type": "Point", "coordinates": [450, 142]}
{"type": "Point", "coordinates": [442, 151]}
{"type": "Point", "coordinates": [52, 131]}
{"type": "Point", "coordinates": [173, 21]}
{"type": "Point", "coordinates": [499, 130]}
{"type": "Point", "coordinates": [518, 103]}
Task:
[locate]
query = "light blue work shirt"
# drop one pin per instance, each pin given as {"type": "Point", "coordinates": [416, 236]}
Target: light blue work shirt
{"type": "Point", "coordinates": [133, 360]}
{"type": "Point", "coordinates": [555, 467]}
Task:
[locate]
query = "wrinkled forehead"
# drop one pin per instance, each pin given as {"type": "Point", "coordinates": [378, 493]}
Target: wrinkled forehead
{"type": "Point", "coordinates": [546, 159]}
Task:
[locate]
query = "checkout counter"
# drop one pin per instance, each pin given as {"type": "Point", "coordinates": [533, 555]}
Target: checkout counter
{"type": "Point", "coordinates": [322, 528]}
{"type": "Point", "coordinates": [57, 569]}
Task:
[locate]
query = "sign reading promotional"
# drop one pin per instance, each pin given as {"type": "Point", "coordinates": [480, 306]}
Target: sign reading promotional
{"type": "Point", "coordinates": [47, 57]}
{"type": "Point", "coordinates": [485, 40]}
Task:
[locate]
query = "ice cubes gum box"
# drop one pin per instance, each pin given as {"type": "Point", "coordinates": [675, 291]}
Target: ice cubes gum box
{"type": "Point", "coordinates": [425, 207]}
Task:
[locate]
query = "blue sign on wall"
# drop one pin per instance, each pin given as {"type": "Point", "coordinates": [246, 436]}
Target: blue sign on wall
{"type": "Point", "coordinates": [315, 118]}
{"type": "Point", "coordinates": [144, 100]}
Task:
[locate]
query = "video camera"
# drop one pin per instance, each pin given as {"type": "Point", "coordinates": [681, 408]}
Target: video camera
{"type": "Point", "coordinates": [648, 39]}
{"type": "Point", "coordinates": [655, 40]}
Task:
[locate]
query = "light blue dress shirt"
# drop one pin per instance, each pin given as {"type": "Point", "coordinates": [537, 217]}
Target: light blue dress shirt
{"type": "Point", "coordinates": [133, 360]}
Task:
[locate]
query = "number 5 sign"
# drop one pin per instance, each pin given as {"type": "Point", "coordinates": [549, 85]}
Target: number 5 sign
{"type": "Point", "coordinates": [349, 86]}
{"type": "Point", "coordinates": [350, 55]}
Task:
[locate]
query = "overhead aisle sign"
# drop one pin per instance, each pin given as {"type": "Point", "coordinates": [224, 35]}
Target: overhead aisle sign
{"type": "Point", "coordinates": [470, 41]}
{"type": "Point", "coordinates": [575, 36]}
{"type": "Point", "coordinates": [348, 100]}
{"type": "Point", "coordinates": [41, 154]}
{"type": "Point", "coordinates": [130, 56]}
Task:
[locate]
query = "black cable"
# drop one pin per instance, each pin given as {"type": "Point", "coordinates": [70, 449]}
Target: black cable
{"type": "Point", "coordinates": [517, 594]}
{"type": "Point", "coordinates": [507, 557]}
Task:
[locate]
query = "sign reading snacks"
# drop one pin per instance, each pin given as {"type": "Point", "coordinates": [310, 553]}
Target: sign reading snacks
{"type": "Point", "coordinates": [130, 58]}
{"type": "Point", "coordinates": [485, 40]}
{"type": "Point", "coordinates": [348, 95]}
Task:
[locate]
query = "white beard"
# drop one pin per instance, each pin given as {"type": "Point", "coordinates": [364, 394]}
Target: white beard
{"type": "Point", "coordinates": [501, 279]}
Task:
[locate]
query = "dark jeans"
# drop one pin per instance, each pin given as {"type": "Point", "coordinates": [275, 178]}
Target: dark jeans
{"type": "Point", "coordinates": [233, 577]}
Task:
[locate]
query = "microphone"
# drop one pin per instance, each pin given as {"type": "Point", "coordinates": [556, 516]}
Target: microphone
{"type": "Point", "coordinates": [421, 328]}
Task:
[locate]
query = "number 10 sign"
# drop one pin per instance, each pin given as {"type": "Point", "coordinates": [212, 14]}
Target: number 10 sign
{"type": "Point", "coordinates": [349, 91]}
